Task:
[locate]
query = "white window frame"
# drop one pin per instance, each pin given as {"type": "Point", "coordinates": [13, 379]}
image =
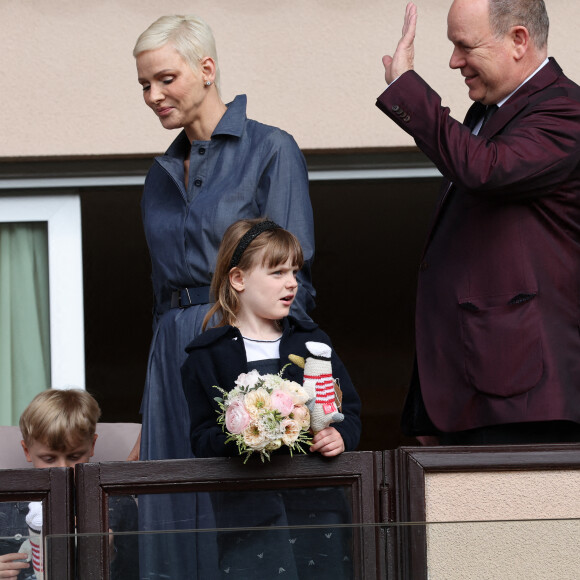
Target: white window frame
{"type": "Point", "coordinates": [62, 212]}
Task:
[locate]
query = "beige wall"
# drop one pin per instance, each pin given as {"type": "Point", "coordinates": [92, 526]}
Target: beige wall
{"type": "Point", "coordinates": [312, 67]}
{"type": "Point", "coordinates": [517, 549]}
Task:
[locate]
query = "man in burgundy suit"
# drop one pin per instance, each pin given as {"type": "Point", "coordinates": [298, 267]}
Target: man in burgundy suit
{"type": "Point", "coordinates": [498, 299]}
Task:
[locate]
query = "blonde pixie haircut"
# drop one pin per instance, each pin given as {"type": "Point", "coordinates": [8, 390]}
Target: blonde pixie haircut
{"type": "Point", "coordinates": [278, 244]}
{"type": "Point", "coordinates": [60, 418]}
{"type": "Point", "coordinates": [189, 35]}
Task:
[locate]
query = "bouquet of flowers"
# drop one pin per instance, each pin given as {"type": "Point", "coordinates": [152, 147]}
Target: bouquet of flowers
{"type": "Point", "coordinates": [263, 412]}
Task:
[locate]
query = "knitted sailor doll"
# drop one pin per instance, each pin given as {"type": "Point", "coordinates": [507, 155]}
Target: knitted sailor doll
{"type": "Point", "coordinates": [33, 547]}
{"type": "Point", "coordinates": [320, 386]}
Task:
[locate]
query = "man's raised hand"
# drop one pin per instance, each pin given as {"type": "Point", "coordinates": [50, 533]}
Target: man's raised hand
{"type": "Point", "coordinates": [404, 57]}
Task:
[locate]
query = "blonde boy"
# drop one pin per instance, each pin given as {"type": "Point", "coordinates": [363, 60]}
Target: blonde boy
{"type": "Point", "coordinates": [59, 430]}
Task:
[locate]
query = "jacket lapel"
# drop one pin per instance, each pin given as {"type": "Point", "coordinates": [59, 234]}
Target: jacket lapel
{"type": "Point", "coordinates": [473, 115]}
{"type": "Point", "coordinates": [508, 111]}
{"type": "Point", "coordinates": [520, 100]}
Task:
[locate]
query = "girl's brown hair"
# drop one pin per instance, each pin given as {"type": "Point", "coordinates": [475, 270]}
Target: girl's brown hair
{"type": "Point", "coordinates": [278, 244]}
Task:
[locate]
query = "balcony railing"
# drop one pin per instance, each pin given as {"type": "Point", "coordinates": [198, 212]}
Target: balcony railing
{"type": "Point", "coordinates": [360, 515]}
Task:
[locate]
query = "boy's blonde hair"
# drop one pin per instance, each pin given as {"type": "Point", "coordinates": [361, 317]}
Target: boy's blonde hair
{"type": "Point", "coordinates": [60, 419]}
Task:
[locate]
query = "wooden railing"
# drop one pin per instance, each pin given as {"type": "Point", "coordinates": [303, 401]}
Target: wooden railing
{"type": "Point", "coordinates": [380, 488]}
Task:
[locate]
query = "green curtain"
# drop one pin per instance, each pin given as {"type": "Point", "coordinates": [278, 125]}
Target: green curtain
{"type": "Point", "coordinates": [24, 316]}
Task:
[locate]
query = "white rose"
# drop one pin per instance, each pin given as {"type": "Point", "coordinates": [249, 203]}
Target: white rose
{"type": "Point", "coordinates": [248, 379]}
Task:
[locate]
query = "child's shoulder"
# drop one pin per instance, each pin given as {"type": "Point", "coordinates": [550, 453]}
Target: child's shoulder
{"type": "Point", "coordinates": [306, 330]}
{"type": "Point", "coordinates": [301, 325]}
{"type": "Point", "coordinates": [211, 336]}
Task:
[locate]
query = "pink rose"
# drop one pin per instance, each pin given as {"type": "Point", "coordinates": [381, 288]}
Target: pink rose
{"type": "Point", "coordinates": [237, 418]}
{"type": "Point", "coordinates": [301, 415]}
{"type": "Point", "coordinates": [281, 402]}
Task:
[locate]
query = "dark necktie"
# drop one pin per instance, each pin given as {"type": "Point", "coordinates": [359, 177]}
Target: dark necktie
{"type": "Point", "coordinates": [489, 111]}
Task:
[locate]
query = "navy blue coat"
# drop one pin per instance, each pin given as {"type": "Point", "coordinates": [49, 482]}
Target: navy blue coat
{"type": "Point", "coordinates": [218, 356]}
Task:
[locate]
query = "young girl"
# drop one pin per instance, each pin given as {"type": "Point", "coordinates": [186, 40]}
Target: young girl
{"type": "Point", "coordinates": [254, 286]}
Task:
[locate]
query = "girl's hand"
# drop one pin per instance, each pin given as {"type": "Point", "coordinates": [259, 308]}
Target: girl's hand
{"type": "Point", "coordinates": [10, 567]}
{"type": "Point", "coordinates": [328, 442]}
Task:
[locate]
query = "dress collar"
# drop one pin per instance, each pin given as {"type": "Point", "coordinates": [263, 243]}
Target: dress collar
{"type": "Point", "coordinates": [231, 123]}
{"type": "Point", "coordinates": [233, 120]}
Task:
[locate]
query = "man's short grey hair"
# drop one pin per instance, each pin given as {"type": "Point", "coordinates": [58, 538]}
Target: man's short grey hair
{"type": "Point", "coordinates": [532, 14]}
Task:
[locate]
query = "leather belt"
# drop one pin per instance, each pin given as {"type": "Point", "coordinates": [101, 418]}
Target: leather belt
{"type": "Point", "coordinates": [186, 297]}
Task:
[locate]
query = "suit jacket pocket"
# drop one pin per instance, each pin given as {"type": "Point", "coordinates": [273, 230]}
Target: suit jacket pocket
{"type": "Point", "coordinates": [503, 347]}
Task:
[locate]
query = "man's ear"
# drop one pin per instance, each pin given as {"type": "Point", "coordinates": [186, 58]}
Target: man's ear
{"type": "Point", "coordinates": [520, 41]}
{"type": "Point", "coordinates": [237, 279]}
{"type": "Point", "coordinates": [26, 452]}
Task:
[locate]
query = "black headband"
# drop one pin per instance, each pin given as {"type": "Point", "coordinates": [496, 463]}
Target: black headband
{"type": "Point", "coordinates": [249, 237]}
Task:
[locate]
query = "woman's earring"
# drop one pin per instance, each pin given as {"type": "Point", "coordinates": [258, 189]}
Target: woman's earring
{"type": "Point", "coordinates": [207, 83]}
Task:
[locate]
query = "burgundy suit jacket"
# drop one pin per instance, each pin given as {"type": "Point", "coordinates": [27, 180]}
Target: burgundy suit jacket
{"type": "Point", "coordinates": [498, 299]}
